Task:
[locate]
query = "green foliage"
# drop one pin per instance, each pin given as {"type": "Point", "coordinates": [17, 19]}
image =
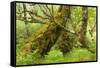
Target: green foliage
{"type": "Point", "coordinates": [55, 56]}
{"type": "Point", "coordinates": [79, 54]}
{"type": "Point", "coordinates": [76, 18]}
{"type": "Point", "coordinates": [24, 59]}
{"type": "Point", "coordinates": [21, 30]}
{"type": "Point", "coordinates": [32, 27]}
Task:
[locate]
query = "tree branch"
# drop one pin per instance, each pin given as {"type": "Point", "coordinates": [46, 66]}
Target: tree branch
{"type": "Point", "coordinates": [49, 10]}
{"type": "Point", "coordinates": [67, 30]}
{"type": "Point", "coordinates": [35, 16]}
{"type": "Point", "coordinates": [45, 13]}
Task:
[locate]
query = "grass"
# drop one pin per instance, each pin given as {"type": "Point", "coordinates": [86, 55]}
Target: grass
{"type": "Point", "coordinates": [79, 54]}
{"type": "Point", "coordinates": [76, 55]}
{"type": "Point", "coordinates": [55, 56]}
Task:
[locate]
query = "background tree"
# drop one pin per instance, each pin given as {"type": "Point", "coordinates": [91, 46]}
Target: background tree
{"type": "Point", "coordinates": [83, 29]}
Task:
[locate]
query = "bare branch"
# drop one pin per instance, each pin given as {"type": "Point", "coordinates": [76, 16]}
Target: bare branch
{"type": "Point", "coordinates": [48, 10]}
{"type": "Point", "coordinates": [35, 16]}
{"type": "Point", "coordinates": [45, 13]}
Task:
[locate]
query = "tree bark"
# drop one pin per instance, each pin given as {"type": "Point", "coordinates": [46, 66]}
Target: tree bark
{"type": "Point", "coordinates": [84, 27]}
{"type": "Point", "coordinates": [65, 42]}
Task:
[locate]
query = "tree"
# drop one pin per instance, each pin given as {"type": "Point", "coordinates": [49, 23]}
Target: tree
{"type": "Point", "coordinates": [84, 27]}
{"type": "Point", "coordinates": [56, 27]}
{"type": "Point", "coordinates": [25, 20]}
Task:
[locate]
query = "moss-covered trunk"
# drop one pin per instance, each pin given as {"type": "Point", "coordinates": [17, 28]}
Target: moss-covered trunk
{"type": "Point", "coordinates": [51, 35]}
{"type": "Point", "coordinates": [45, 41]}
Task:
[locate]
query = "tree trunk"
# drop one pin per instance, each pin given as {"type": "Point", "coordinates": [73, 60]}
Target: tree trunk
{"type": "Point", "coordinates": [84, 27]}
{"type": "Point", "coordinates": [25, 20]}
{"type": "Point", "coordinates": [66, 40]}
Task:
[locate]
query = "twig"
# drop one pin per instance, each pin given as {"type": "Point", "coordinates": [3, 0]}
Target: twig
{"type": "Point", "coordinates": [45, 13]}
{"type": "Point", "coordinates": [49, 10]}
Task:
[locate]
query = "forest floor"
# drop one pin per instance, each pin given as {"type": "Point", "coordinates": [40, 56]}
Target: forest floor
{"type": "Point", "coordinates": [56, 56]}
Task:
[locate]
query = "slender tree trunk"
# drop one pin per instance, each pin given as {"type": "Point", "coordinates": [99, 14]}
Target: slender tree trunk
{"type": "Point", "coordinates": [84, 27]}
{"type": "Point", "coordinates": [25, 20]}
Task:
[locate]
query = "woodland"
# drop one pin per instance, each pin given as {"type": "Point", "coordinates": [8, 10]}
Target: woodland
{"type": "Point", "coordinates": [48, 33]}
